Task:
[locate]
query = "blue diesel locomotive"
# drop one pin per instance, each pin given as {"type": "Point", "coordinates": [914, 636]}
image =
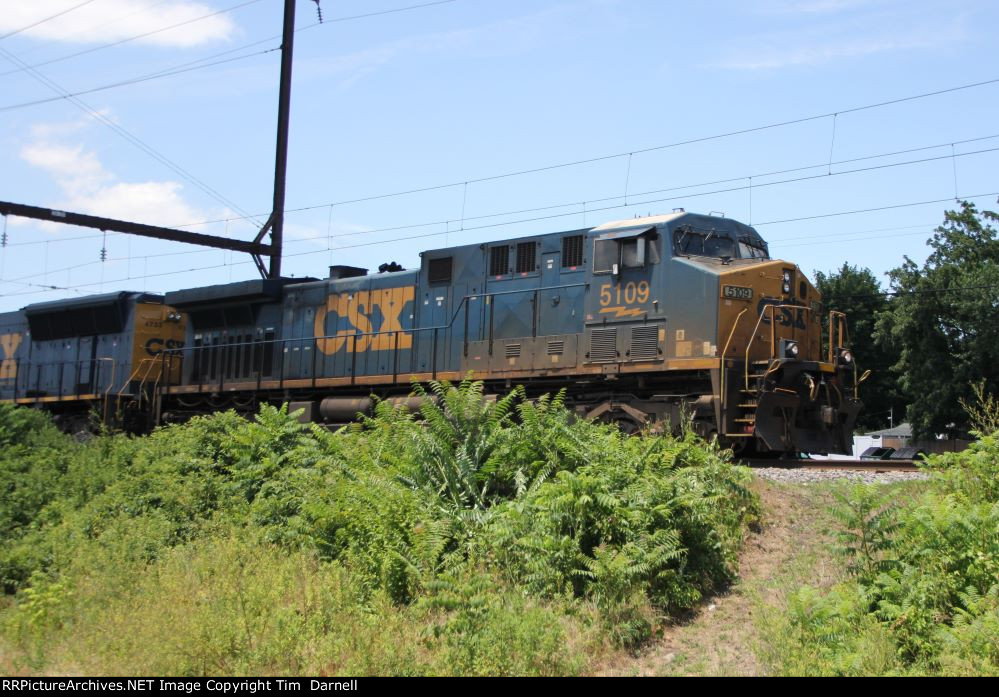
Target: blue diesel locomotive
{"type": "Point", "coordinates": [642, 321]}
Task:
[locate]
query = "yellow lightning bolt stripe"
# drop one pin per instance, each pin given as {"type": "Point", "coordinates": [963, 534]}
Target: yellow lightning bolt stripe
{"type": "Point", "coordinates": [623, 312]}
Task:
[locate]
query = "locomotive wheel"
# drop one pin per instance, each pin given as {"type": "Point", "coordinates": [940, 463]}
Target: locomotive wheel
{"type": "Point", "coordinates": [627, 425]}
{"type": "Point", "coordinates": [624, 422]}
{"type": "Point", "coordinates": [743, 448]}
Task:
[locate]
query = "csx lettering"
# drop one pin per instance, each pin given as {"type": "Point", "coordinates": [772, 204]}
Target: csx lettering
{"type": "Point", "coordinates": [9, 344]}
{"type": "Point", "coordinates": [785, 316]}
{"type": "Point", "coordinates": [358, 310]}
{"type": "Point", "coordinates": [155, 346]}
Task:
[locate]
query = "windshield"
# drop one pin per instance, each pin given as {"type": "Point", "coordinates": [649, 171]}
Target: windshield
{"type": "Point", "coordinates": [712, 243]}
{"type": "Point", "coordinates": [752, 249]}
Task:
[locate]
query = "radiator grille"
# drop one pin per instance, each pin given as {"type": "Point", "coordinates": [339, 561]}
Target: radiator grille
{"type": "Point", "coordinates": [603, 345]}
{"type": "Point", "coordinates": [499, 260]}
{"type": "Point", "coordinates": [572, 251]}
{"type": "Point", "coordinates": [556, 347]}
{"type": "Point", "coordinates": [439, 270]}
{"type": "Point", "coordinates": [526, 257]}
{"type": "Point", "coordinates": [644, 343]}
{"type": "Point", "coordinates": [513, 350]}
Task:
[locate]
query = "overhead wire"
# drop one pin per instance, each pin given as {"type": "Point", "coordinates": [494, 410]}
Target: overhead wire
{"type": "Point", "coordinates": [205, 62]}
{"type": "Point", "coordinates": [629, 153]}
{"type": "Point", "coordinates": [44, 20]}
{"type": "Point", "coordinates": [127, 135]}
{"type": "Point", "coordinates": [572, 213]}
{"type": "Point", "coordinates": [331, 236]}
{"type": "Point", "coordinates": [135, 37]}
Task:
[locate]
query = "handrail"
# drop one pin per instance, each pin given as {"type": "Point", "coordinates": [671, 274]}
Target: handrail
{"type": "Point", "coordinates": [731, 333]}
{"type": "Point", "coordinates": [840, 327]}
{"type": "Point", "coordinates": [134, 374]}
{"type": "Point", "coordinates": [107, 392]}
{"type": "Point", "coordinates": [856, 382]}
{"type": "Point", "coordinates": [773, 333]}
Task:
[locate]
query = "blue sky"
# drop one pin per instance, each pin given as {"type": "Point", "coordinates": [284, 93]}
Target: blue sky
{"type": "Point", "coordinates": [462, 91]}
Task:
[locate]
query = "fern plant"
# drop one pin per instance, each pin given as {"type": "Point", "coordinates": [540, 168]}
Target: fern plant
{"type": "Point", "coordinates": [453, 453]}
{"type": "Point", "coordinates": [868, 524]}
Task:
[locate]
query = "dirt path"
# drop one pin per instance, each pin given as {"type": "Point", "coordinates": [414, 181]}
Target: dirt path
{"type": "Point", "coordinates": [790, 549]}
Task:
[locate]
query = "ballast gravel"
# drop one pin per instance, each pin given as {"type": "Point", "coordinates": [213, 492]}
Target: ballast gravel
{"type": "Point", "coordinates": [810, 476]}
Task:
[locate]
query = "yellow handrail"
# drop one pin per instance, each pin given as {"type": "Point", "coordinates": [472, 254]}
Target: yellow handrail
{"type": "Point", "coordinates": [773, 334]}
{"type": "Point", "coordinates": [107, 392]}
{"type": "Point", "coordinates": [840, 330]}
{"type": "Point", "coordinates": [724, 353]}
{"type": "Point", "coordinates": [133, 376]}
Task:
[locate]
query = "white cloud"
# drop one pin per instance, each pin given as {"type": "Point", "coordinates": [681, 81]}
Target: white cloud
{"type": "Point", "coordinates": [77, 171]}
{"type": "Point", "coordinates": [88, 187]}
{"type": "Point", "coordinates": [112, 20]}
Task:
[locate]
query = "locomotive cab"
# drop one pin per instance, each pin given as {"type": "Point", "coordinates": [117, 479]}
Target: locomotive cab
{"type": "Point", "coordinates": [695, 304]}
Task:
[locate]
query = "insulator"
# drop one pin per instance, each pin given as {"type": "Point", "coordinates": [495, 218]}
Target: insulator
{"type": "Point", "coordinates": [319, 11]}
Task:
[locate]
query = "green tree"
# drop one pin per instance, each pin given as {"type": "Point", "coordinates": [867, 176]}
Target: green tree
{"type": "Point", "coordinates": [857, 293]}
{"type": "Point", "coordinates": [945, 319]}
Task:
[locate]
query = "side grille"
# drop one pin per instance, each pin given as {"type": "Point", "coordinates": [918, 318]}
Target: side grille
{"type": "Point", "coordinates": [439, 270]}
{"type": "Point", "coordinates": [512, 351]}
{"type": "Point", "coordinates": [572, 251]}
{"type": "Point", "coordinates": [499, 260]}
{"type": "Point", "coordinates": [645, 343]}
{"type": "Point", "coordinates": [603, 345]}
{"type": "Point", "coordinates": [556, 347]}
{"type": "Point", "coordinates": [526, 257]}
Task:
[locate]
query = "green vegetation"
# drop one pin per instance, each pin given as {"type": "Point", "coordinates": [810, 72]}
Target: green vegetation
{"type": "Point", "coordinates": [936, 335]}
{"type": "Point", "coordinates": [943, 320]}
{"type": "Point", "coordinates": [487, 537]}
{"type": "Point", "coordinates": [856, 292]}
{"type": "Point", "coordinates": [922, 595]}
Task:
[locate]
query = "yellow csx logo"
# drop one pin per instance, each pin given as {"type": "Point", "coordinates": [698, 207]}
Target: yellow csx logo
{"type": "Point", "coordinates": [358, 309]}
{"type": "Point", "coordinates": [9, 344]}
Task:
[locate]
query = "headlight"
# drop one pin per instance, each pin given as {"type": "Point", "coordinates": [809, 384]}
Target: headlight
{"type": "Point", "coordinates": [846, 356]}
{"type": "Point", "coordinates": [787, 288]}
{"type": "Point", "coordinates": [787, 277]}
{"type": "Point", "coordinates": [789, 348]}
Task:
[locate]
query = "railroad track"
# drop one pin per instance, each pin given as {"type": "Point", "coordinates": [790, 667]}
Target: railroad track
{"type": "Point", "coordinates": [885, 466]}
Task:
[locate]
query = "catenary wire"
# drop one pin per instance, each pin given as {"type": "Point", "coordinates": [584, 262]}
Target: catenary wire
{"type": "Point", "coordinates": [44, 20]}
{"type": "Point", "coordinates": [427, 224]}
{"type": "Point", "coordinates": [127, 135]}
{"type": "Point", "coordinates": [135, 37]}
{"type": "Point", "coordinates": [173, 70]}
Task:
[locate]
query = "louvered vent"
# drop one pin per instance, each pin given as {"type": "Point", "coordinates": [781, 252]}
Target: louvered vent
{"type": "Point", "coordinates": [556, 347]}
{"type": "Point", "coordinates": [439, 270]}
{"type": "Point", "coordinates": [572, 251]}
{"type": "Point", "coordinates": [499, 260]}
{"type": "Point", "coordinates": [644, 343]}
{"type": "Point", "coordinates": [603, 345]}
{"type": "Point", "coordinates": [526, 257]}
{"type": "Point", "coordinates": [513, 350]}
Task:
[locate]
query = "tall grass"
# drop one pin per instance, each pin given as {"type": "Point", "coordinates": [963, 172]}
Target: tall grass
{"type": "Point", "coordinates": [923, 597]}
{"type": "Point", "coordinates": [484, 537]}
